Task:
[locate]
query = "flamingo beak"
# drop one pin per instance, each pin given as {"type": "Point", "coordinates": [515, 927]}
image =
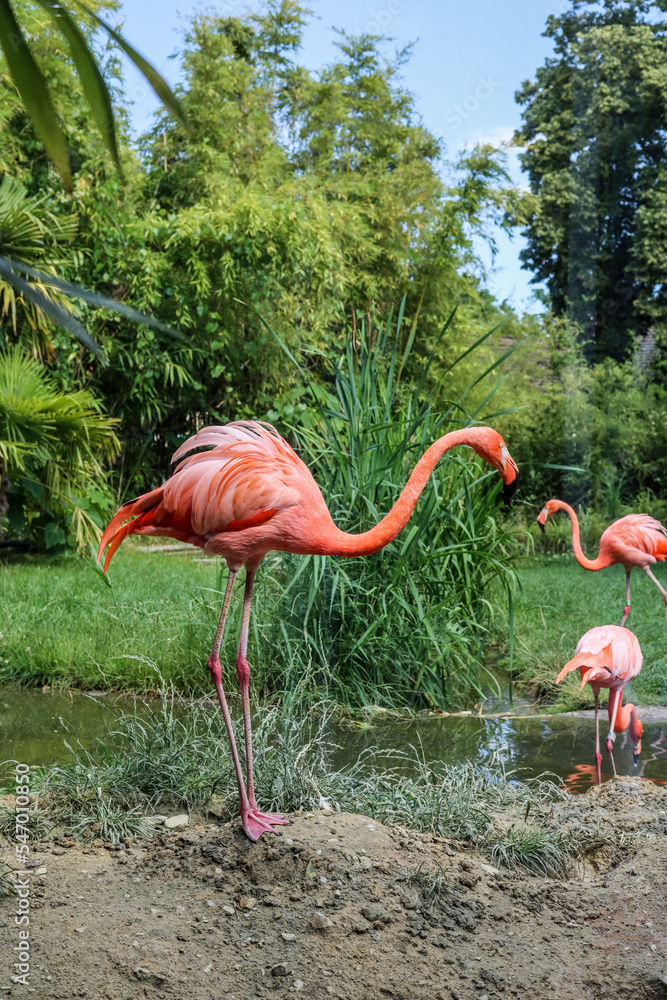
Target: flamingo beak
{"type": "Point", "coordinates": [510, 487]}
{"type": "Point", "coordinates": [542, 518]}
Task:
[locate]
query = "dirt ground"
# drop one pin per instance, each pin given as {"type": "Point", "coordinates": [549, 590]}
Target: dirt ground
{"type": "Point", "coordinates": [333, 909]}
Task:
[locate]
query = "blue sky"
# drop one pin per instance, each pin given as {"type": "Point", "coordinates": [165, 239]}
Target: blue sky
{"type": "Point", "coordinates": [467, 62]}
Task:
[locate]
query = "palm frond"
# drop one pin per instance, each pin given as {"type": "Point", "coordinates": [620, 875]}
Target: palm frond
{"type": "Point", "coordinates": [34, 93]}
{"type": "Point", "coordinates": [54, 446]}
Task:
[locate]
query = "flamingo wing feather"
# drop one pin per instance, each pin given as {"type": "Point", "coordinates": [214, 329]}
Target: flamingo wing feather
{"type": "Point", "coordinates": [249, 475]}
{"type": "Point", "coordinates": [635, 534]}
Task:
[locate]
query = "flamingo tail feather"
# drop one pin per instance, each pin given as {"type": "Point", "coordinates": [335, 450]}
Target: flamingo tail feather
{"type": "Point", "coordinates": [117, 528]}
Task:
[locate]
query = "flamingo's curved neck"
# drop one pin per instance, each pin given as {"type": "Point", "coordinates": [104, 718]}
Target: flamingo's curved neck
{"type": "Point", "coordinates": [626, 716]}
{"type": "Point", "coordinates": [601, 561]}
{"type": "Point", "coordinates": [341, 543]}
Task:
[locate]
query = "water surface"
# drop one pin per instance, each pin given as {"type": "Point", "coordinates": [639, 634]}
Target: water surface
{"type": "Point", "coordinates": [35, 727]}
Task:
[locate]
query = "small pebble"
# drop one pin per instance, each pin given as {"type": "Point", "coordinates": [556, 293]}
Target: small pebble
{"type": "Point", "coordinates": [176, 822]}
{"type": "Point", "coordinates": [320, 922]}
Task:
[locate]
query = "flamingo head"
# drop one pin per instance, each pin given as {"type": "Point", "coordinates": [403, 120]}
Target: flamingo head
{"type": "Point", "coordinates": [491, 447]}
{"type": "Point", "coordinates": [549, 508]}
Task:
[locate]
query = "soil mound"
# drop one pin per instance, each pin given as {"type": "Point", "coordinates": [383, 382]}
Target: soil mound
{"type": "Point", "coordinates": [341, 906]}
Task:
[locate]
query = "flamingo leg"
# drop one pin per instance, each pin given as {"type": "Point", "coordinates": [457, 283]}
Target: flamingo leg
{"type": "Point", "coordinates": [618, 697]}
{"type": "Point", "coordinates": [255, 823]}
{"type": "Point", "coordinates": [215, 671]}
{"type": "Point", "coordinates": [626, 609]}
{"type": "Point", "coordinates": [658, 585]}
{"type": "Point", "coordinates": [598, 755]}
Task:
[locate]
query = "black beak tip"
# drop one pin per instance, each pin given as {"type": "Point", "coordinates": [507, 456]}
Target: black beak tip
{"type": "Point", "coordinates": [509, 490]}
{"type": "Point", "coordinates": [635, 758]}
{"type": "Point", "coordinates": [542, 528]}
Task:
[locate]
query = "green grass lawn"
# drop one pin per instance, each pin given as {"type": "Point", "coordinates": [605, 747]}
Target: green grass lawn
{"type": "Point", "coordinates": [559, 601]}
{"type": "Point", "coordinates": [63, 626]}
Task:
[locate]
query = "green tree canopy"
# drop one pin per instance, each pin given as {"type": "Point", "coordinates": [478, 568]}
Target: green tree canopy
{"type": "Point", "coordinates": [309, 198]}
{"type": "Point", "coordinates": [596, 155]}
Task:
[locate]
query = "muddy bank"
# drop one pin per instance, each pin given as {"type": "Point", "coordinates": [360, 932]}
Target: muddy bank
{"type": "Point", "coordinates": [340, 906]}
{"type": "Point", "coordinates": [647, 713]}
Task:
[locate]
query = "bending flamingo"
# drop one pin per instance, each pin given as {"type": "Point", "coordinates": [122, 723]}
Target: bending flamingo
{"type": "Point", "coordinates": [251, 494]}
{"type": "Point", "coordinates": [609, 656]}
{"type": "Point", "coordinates": [634, 540]}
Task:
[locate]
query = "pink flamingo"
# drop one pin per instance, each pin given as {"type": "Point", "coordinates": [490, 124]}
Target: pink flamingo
{"type": "Point", "coordinates": [635, 540]}
{"type": "Point", "coordinates": [609, 656]}
{"type": "Point", "coordinates": [251, 494]}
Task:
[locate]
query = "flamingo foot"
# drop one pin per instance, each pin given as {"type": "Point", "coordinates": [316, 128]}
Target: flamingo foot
{"type": "Point", "coordinates": [274, 819]}
{"type": "Point", "coordinates": [626, 612]}
{"type": "Point", "coordinates": [255, 823]}
{"type": "Point", "coordinates": [598, 761]}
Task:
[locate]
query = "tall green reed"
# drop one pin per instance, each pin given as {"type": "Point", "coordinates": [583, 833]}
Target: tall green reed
{"type": "Point", "coordinates": [405, 627]}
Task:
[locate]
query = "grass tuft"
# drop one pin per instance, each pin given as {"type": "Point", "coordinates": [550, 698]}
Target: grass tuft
{"type": "Point", "coordinates": [430, 879]}
{"type": "Point", "coordinates": [38, 826]}
{"type": "Point", "coordinates": [533, 849]}
{"type": "Point", "coordinates": [100, 817]}
{"type": "Point", "coordinates": [6, 884]}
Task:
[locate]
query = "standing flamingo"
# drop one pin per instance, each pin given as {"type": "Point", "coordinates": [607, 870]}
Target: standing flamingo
{"type": "Point", "coordinates": [251, 494]}
{"type": "Point", "coordinates": [609, 656]}
{"type": "Point", "coordinates": [634, 540]}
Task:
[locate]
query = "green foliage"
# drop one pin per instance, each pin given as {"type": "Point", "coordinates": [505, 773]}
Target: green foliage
{"type": "Point", "coordinates": [53, 446]}
{"type": "Point", "coordinates": [30, 231]}
{"type": "Point", "coordinates": [586, 433]}
{"type": "Point", "coordinates": [254, 208]}
{"type": "Point", "coordinates": [404, 627]}
{"type": "Point", "coordinates": [596, 156]}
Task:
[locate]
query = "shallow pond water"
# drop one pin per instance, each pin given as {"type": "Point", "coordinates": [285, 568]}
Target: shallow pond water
{"type": "Point", "coordinates": [34, 726]}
